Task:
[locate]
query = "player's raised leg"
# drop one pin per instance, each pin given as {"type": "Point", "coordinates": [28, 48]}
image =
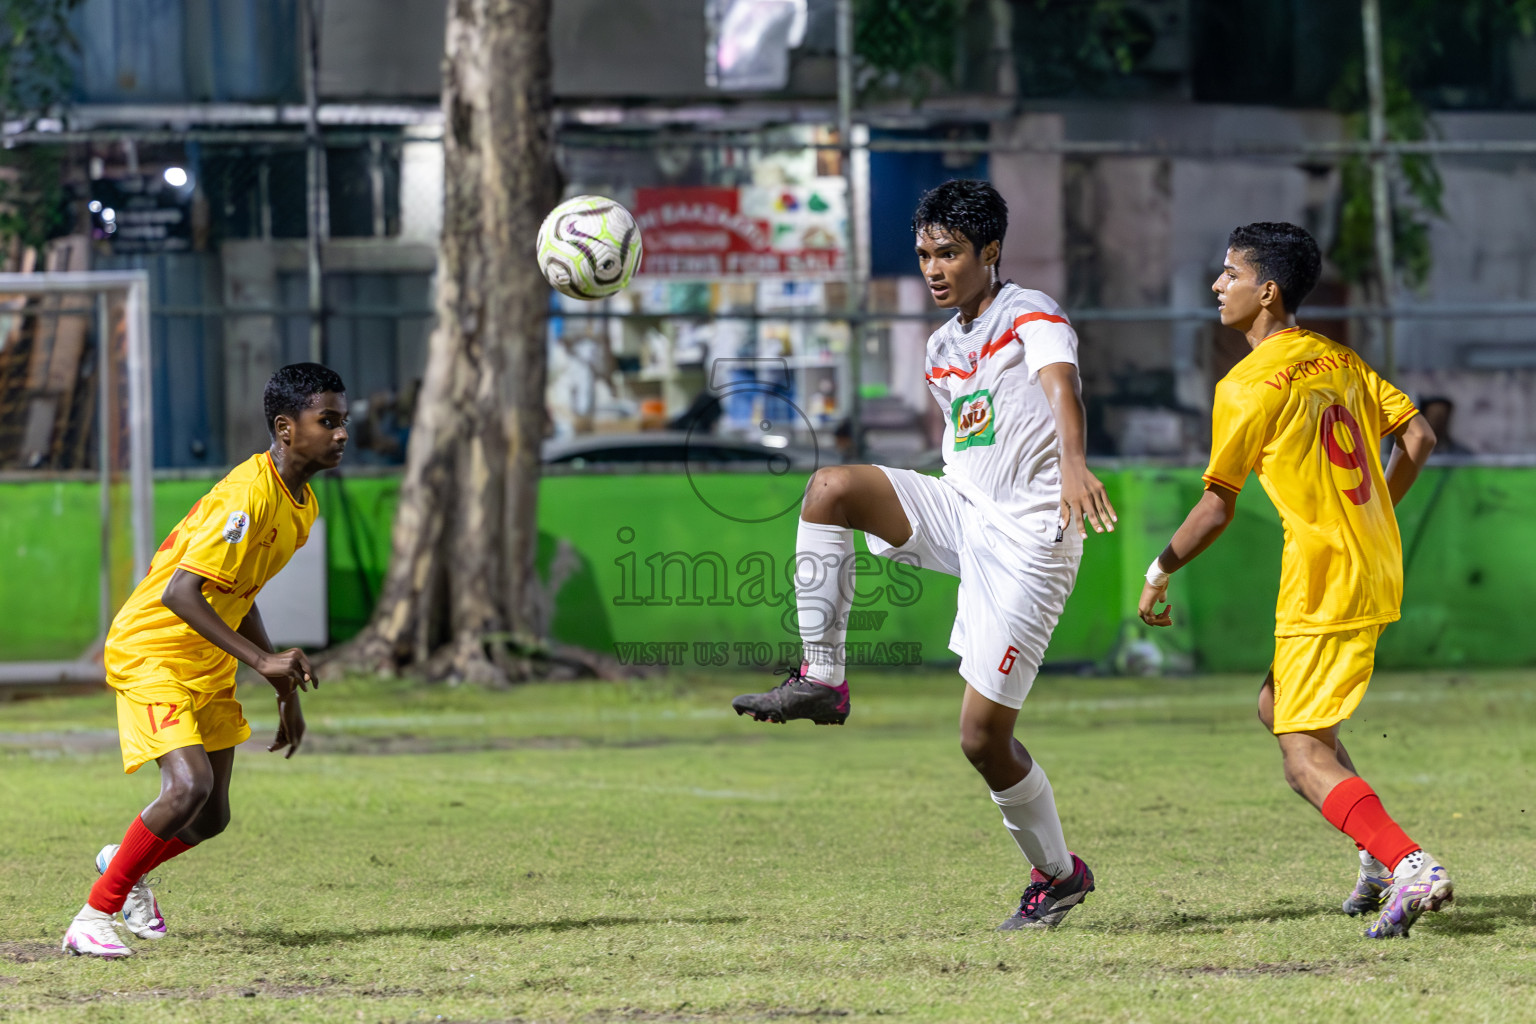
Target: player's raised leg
{"type": "Point", "coordinates": [838, 500]}
{"type": "Point", "coordinates": [187, 780]}
{"type": "Point", "coordinates": [1059, 880]}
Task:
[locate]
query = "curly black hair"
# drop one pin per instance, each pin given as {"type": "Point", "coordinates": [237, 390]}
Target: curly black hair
{"type": "Point", "coordinates": [967, 207]}
{"type": "Point", "coordinates": [1282, 253]}
{"type": "Point", "coordinates": [293, 389]}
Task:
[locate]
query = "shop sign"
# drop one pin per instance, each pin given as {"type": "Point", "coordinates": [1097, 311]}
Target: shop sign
{"type": "Point", "coordinates": [753, 231]}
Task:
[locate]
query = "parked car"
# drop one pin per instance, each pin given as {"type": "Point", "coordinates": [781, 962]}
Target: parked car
{"type": "Point", "coordinates": [676, 450]}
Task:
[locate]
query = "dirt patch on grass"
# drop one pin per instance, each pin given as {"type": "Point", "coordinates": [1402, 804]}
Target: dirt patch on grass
{"type": "Point", "coordinates": [27, 952]}
{"type": "Point", "coordinates": [1259, 970]}
{"type": "Point", "coordinates": [705, 1017]}
{"type": "Point", "coordinates": [625, 1015]}
{"type": "Point", "coordinates": [254, 990]}
{"type": "Point", "coordinates": [83, 741]}
{"type": "Point", "coordinates": [408, 743]}
{"type": "Point", "coordinates": [335, 988]}
{"type": "Point", "coordinates": [99, 741]}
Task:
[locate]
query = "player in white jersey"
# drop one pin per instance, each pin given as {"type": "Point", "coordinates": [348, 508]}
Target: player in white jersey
{"type": "Point", "coordinates": [1008, 517]}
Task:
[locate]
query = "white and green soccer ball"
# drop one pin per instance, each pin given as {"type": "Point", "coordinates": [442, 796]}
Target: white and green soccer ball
{"type": "Point", "coordinates": [589, 247]}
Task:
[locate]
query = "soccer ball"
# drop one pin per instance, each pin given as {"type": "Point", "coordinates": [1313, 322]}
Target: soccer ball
{"type": "Point", "coordinates": [589, 247]}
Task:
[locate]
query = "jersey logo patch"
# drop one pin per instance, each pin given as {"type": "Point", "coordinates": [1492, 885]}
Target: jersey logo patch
{"type": "Point", "coordinates": [235, 527]}
{"type": "Point", "coordinates": [973, 419]}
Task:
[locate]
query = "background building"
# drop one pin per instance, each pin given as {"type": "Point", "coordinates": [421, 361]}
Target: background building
{"type": "Point", "coordinates": [1127, 234]}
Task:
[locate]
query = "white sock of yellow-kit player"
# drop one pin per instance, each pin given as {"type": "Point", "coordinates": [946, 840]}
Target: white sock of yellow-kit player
{"type": "Point", "coordinates": [1029, 811]}
{"type": "Point", "coordinates": [823, 595]}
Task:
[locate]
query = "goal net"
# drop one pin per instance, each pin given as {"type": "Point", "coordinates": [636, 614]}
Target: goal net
{"type": "Point", "coordinates": [75, 467]}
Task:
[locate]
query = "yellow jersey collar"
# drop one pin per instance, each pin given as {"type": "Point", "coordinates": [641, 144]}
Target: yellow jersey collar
{"type": "Point", "coordinates": [272, 467]}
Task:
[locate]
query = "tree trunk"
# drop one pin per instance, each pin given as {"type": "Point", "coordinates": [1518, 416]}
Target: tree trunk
{"type": "Point", "coordinates": [462, 598]}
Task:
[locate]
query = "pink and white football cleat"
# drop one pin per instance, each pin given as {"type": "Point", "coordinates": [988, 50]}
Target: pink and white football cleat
{"type": "Point", "coordinates": [93, 933]}
{"type": "Point", "coordinates": [141, 911]}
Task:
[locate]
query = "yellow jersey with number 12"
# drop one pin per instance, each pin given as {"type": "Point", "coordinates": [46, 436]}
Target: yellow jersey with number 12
{"type": "Point", "coordinates": [237, 536]}
{"type": "Point", "coordinates": [1308, 415]}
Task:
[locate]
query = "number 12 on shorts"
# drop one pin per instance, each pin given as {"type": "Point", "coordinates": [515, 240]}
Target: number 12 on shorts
{"type": "Point", "coordinates": [167, 720]}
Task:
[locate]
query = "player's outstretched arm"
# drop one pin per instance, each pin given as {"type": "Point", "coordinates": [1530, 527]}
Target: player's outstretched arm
{"type": "Point", "coordinates": [1200, 529]}
{"type": "Point", "coordinates": [184, 596]}
{"type": "Point", "coordinates": [1413, 443]}
{"type": "Point", "coordinates": [1082, 495]}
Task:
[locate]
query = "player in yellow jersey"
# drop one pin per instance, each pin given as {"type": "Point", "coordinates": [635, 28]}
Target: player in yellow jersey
{"type": "Point", "coordinates": [171, 652]}
{"type": "Point", "coordinates": [1307, 415]}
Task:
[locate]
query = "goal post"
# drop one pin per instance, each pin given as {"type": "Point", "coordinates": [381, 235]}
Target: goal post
{"type": "Point", "coordinates": [118, 313]}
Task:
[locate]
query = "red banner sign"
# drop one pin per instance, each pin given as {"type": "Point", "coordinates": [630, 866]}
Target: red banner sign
{"type": "Point", "coordinates": [706, 232]}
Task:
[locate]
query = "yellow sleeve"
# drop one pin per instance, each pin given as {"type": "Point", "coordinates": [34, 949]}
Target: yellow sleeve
{"type": "Point", "coordinates": [223, 536]}
{"type": "Point", "coordinates": [1396, 407]}
{"type": "Point", "coordinates": [1239, 423]}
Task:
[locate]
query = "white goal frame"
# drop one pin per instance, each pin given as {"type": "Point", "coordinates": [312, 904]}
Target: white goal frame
{"type": "Point", "coordinates": [134, 286]}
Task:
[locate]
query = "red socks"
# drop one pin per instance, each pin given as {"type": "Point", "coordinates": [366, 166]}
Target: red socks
{"type": "Point", "coordinates": [140, 850]}
{"type": "Point", "coordinates": [173, 848]}
{"type": "Point", "coordinates": [1353, 808]}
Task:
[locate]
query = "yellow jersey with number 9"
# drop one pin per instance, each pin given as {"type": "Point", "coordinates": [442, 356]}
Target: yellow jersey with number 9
{"type": "Point", "coordinates": [1308, 415]}
{"type": "Point", "coordinates": [237, 537]}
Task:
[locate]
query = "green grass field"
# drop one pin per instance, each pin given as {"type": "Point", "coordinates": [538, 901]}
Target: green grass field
{"type": "Point", "coordinates": [627, 853]}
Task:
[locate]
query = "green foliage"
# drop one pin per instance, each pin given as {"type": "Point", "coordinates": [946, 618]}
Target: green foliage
{"type": "Point", "coordinates": [33, 206]}
{"type": "Point", "coordinates": [1410, 36]}
{"type": "Point", "coordinates": [34, 76]}
{"type": "Point", "coordinates": [1498, 16]}
{"type": "Point", "coordinates": [908, 42]}
{"type": "Point", "coordinates": [1066, 47]}
{"type": "Point", "coordinates": [1061, 46]}
{"type": "Point", "coordinates": [1415, 200]}
{"type": "Point", "coordinates": [34, 60]}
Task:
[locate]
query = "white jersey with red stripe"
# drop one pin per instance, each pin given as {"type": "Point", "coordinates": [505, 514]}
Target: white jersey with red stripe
{"type": "Point", "coordinates": [1002, 450]}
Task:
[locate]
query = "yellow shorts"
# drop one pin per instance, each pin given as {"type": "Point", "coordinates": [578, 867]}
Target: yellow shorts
{"type": "Point", "coordinates": [1319, 679]}
{"type": "Point", "coordinates": [160, 717]}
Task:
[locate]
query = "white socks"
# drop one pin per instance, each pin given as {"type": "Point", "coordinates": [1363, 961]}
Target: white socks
{"type": "Point", "coordinates": [1371, 866]}
{"type": "Point", "coordinates": [823, 595]}
{"type": "Point", "coordinates": [1029, 811]}
{"type": "Point", "coordinates": [1408, 866]}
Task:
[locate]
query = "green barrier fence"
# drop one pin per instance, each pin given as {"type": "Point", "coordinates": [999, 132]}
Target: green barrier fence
{"type": "Point", "coordinates": [695, 571]}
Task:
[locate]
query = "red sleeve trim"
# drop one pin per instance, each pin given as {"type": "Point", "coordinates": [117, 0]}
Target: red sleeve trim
{"type": "Point", "coordinates": [948, 371]}
{"type": "Point", "coordinates": [206, 573]}
{"type": "Point", "coordinates": [1404, 418]}
{"type": "Point", "coordinates": [1212, 478]}
{"type": "Point", "coordinates": [997, 345]}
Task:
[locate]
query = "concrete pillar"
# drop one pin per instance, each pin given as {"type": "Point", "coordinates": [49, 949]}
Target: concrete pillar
{"type": "Point", "coordinates": [909, 343]}
{"type": "Point", "coordinates": [1033, 254]}
{"type": "Point", "coordinates": [251, 350]}
{"type": "Point", "coordinates": [421, 189]}
{"type": "Point", "coordinates": [1119, 213]}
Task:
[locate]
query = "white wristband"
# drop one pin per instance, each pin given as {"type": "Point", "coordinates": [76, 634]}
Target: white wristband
{"type": "Point", "coordinates": [1156, 578]}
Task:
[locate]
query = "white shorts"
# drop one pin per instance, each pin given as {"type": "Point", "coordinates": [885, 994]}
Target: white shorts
{"type": "Point", "coordinates": [1012, 590]}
